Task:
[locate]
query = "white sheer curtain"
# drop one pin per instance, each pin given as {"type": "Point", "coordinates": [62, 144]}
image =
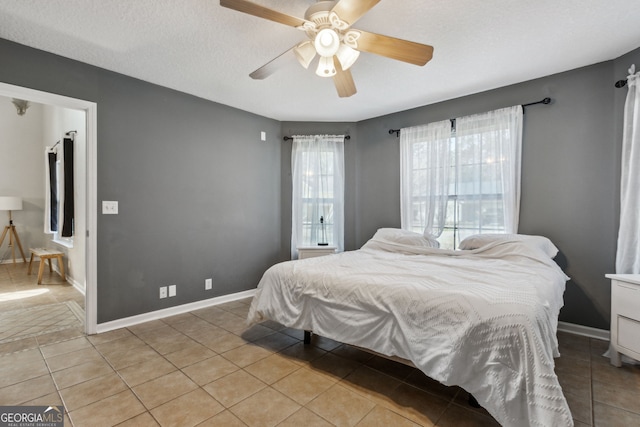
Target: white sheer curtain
{"type": "Point", "coordinates": [317, 165]}
{"type": "Point", "coordinates": [465, 181]}
{"type": "Point", "coordinates": [489, 153]}
{"type": "Point", "coordinates": [628, 253]}
{"type": "Point", "coordinates": [425, 156]}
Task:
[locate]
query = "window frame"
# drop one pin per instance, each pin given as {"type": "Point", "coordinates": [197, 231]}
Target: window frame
{"type": "Point", "coordinates": [321, 155]}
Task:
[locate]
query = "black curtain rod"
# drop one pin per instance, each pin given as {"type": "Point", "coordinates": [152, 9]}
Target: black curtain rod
{"type": "Point", "coordinates": [621, 83]}
{"type": "Point", "coordinates": [544, 101]}
{"type": "Point", "coordinates": [66, 134]}
{"type": "Point", "coordinates": [290, 138]}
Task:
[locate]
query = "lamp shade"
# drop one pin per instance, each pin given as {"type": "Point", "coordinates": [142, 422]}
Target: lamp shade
{"type": "Point", "coordinates": [326, 68]}
{"type": "Point", "coordinates": [347, 56]}
{"type": "Point", "coordinates": [305, 52]}
{"type": "Point", "coordinates": [9, 203]}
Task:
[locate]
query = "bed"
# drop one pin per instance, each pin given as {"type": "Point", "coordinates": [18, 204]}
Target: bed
{"type": "Point", "coordinates": [483, 318]}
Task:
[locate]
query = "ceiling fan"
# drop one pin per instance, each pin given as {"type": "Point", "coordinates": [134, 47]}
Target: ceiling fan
{"type": "Point", "coordinates": [328, 26]}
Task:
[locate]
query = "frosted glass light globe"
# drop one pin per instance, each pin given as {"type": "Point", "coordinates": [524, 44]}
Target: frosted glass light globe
{"type": "Point", "coordinates": [327, 42]}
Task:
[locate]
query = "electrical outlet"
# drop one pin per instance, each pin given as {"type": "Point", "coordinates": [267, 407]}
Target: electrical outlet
{"type": "Point", "coordinates": [208, 284]}
{"type": "Point", "coordinates": [163, 292]}
{"type": "Point", "coordinates": [172, 290]}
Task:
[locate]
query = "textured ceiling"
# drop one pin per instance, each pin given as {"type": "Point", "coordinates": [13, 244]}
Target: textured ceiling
{"type": "Point", "coordinates": [201, 48]}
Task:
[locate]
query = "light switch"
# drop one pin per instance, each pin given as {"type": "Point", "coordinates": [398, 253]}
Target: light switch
{"type": "Point", "coordinates": [263, 136]}
{"type": "Point", "coordinates": [109, 207]}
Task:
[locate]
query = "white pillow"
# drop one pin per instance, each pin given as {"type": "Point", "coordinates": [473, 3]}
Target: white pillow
{"type": "Point", "coordinates": [479, 240]}
{"type": "Point", "coordinates": [406, 237]}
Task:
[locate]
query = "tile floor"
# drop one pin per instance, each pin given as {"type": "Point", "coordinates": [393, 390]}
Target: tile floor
{"type": "Point", "coordinates": [28, 310]}
{"type": "Point", "coordinates": [206, 368]}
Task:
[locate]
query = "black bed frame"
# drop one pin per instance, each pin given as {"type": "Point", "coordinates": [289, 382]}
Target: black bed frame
{"type": "Point", "coordinates": [472, 400]}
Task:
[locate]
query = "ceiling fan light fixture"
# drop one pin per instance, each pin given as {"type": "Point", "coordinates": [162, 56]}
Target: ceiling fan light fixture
{"type": "Point", "coordinates": [327, 24]}
{"type": "Point", "coordinates": [327, 42]}
{"type": "Point", "coordinates": [326, 68]}
{"type": "Point", "coordinates": [347, 56]}
{"type": "Point", "coordinates": [21, 105]}
{"type": "Point", "coordinates": [305, 52]}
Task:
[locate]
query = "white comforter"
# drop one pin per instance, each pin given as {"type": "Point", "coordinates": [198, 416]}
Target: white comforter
{"type": "Point", "coordinates": [482, 319]}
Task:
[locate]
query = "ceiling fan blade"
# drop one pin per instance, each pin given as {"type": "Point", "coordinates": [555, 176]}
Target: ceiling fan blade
{"type": "Point", "coordinates": [262, 12]}
{"type": "Point", "coordinates": [343, 81]}
{"type": "Point", "coordinates": [274, 65]}
{"type": "Point", "coordinates": [351, 10]}
{"type": "Point", "coordinates": [391, 47]}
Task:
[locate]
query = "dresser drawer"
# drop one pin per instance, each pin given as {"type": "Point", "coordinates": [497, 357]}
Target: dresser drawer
{"type": "Point", "coordinates": [625, 317]}
{"type": "Point", "coordinates": [627, 299]}
{"type": "Point", "coordinates": [629, 334]}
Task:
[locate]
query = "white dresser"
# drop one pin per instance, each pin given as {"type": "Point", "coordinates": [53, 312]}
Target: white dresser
{"type": "Point", "coordinates": [313, 251]}
{"type": "Point", "coordinates": [625, 316]}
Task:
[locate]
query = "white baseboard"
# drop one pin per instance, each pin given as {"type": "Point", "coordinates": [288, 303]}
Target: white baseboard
{"type": "Point", "coordinates": [171, 311]}
{"type": "Point", "coordinates": [570, 328]}
{"type": "Point", "coordinates": [10, 261]}
{"type": "Point", "coordinates": [585, 331]}
{"type": "Point", "coordinates": [77, 285]}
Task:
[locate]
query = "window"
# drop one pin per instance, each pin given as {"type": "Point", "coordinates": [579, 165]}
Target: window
{"type": "Point", "coordinates": [317, 164]}
{"type": "Point", "coordinates": [464, 180]}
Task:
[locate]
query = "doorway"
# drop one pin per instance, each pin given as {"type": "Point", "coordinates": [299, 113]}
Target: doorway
{"type": "Point", "coordinates": [89, 278]}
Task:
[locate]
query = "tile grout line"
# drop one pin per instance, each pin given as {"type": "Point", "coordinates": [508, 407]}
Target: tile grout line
{"type": "Point", "coordinates": [55, 384]}
{"type": "Point", "coordinates": [131, 389]}
{"type": "Point", "coordinates": [200, 387]}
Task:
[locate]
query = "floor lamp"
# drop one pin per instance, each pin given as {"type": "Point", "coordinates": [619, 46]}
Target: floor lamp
{"type": "Point", "coordinates": [11, 204]}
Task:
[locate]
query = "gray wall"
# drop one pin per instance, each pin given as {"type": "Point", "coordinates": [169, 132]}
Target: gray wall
{"type": "Point", "coordinates": [199, 193]}
{"type": "Point", "coordinates": [568, 180]}
{"type": "Point", "coordinates": [570, 172]}
{"type": "Point", "coordinates": [201, 196]}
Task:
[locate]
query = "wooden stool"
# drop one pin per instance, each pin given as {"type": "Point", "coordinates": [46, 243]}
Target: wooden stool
{"type": "Point", "coordinates": [46, 254]}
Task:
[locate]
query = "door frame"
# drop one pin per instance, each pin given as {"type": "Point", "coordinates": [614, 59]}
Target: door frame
{"type": "Point", "coordinates": [91, 258]}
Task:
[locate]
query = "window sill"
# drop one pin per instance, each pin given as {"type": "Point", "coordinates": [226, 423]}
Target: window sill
{"type": "Point", "coordinates": [64, 243]}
